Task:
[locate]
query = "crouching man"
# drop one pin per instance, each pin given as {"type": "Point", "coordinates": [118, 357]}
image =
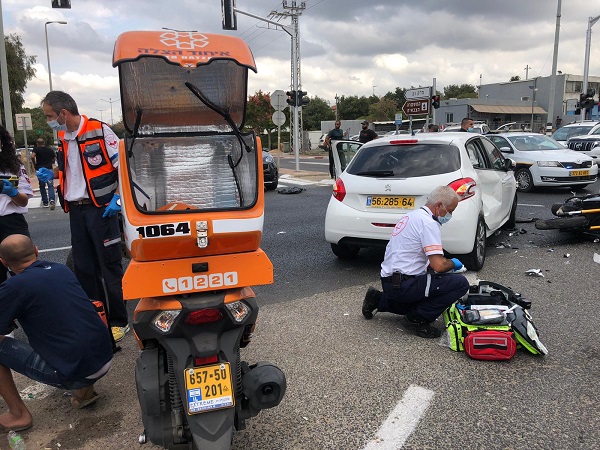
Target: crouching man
{"type": "Point", "coordinates": [69, 344]}
{"type": "Point", "coordinates": [416, 278]}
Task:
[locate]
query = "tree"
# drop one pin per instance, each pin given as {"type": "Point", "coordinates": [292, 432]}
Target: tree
{"type": "Point", "coordinates": [462, 91]}
{"type": "Point", "coordinates": [399, 96]}
{"type": "Point", "coordinates": [515, 78]}
{"type": "Point", "coordinates": [383, 110]}
{"type": "Point", "coordinates": [20, 71]}
{"type": "Point", "coordinates": [316, 111]}
{"type": "Point", "coordinates": [353, 107]}
{"type": "Point", "coordinates": [259, 113]}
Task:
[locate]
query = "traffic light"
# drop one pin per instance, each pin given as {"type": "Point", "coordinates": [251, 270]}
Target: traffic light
{"type": "Point", "coordinates": [65, 4]}
{"type": "Point", "coordinates": [291, 100]}
{"type": "Point", "coordinates": [302, 99]}
{"type": "Point", "coordinates": [228, 14]}
{"type": "Point", "coordinates": [435, 101]}
{"type": "Point", "coordinates": [589, 99]}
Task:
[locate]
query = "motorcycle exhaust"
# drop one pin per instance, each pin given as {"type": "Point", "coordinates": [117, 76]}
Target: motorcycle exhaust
{"type": "Point", "coordinates": [263, 384]}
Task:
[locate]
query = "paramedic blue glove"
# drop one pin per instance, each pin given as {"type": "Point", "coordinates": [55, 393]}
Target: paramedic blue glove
{"type": "Point", "coordinates": [44, 175]}
{"type": "Point", "coordinates": [9, 189]}
{"type": "Point", "coordinates": [457, 264]}
{"type": "Point", "coordinates": [113, 207]}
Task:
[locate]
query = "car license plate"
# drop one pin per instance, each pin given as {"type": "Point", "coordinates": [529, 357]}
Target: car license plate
{"type": "Point", "coordinates": [390, 201]}
{"type": "Point", "coordinates": [208, 388]}
{"type": "Point", "coordinates": [580, 173]}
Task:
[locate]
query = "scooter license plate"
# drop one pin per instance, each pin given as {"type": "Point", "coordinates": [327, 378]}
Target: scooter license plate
{"type": "Point", "coordinates": [208, 388]}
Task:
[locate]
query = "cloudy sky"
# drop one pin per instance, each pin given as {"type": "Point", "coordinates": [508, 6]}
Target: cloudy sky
{"type": "Point", "coordinates": [348, 47]}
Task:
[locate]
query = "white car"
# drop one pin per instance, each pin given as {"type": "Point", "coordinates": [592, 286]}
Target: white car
{"type": "Point", "coordinates": [393, 175]}
{"type": "Point", "coordinates": [542, 161]}
{"type": "Point", "coordinates": [564, 133]}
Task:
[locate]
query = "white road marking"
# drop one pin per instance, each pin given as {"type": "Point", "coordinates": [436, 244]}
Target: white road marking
{"type": "Point", "coordinates": [54, 249]}
{"type": "Point", "coordinates": [532, 206]}
{"type": "Point", "coordinates": [403, 420]}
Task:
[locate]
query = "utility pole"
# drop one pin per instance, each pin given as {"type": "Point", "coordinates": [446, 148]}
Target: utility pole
{"type": "Point", "coordinates": [550, 117]}
{"type": "Point", "coordinates": [527, 71]}
{"type": "Point", "coordinates": [111, 101]}
{"type": "Point", "coordinates": [586, 65]}
{"type": "Point", "coordinates": [337, 107]}
{"type": "Point", "coordinates": [294, 11]}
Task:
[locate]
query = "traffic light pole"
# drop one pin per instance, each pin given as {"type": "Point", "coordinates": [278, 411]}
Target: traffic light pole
{"type": "Point", "coordinates": [586, 64]}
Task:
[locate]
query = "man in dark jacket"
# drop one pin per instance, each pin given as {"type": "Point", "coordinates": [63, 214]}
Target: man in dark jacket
{"type": "Point", "coordinates": [69, 344]}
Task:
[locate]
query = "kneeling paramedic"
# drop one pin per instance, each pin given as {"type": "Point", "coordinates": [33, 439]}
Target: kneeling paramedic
{"type": "Point", "coordinates": [409, 288]}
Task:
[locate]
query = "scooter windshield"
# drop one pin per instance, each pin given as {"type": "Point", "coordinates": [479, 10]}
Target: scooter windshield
{"type": "Point", "coordinates": [164, 104]}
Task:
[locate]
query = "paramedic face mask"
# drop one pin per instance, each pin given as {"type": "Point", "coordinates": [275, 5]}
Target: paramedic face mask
{"type": "Point", "coordinates": [55, 125]}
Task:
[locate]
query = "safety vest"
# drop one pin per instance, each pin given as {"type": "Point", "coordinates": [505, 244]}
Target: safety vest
{"type": "Point", "coordinates": [100, 176]}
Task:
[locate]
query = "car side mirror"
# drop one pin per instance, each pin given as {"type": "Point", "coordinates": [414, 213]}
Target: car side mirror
{"type": "Point", "coordinates": [506, 150]}
{"type": "Point", "coordinates": [509, 164]}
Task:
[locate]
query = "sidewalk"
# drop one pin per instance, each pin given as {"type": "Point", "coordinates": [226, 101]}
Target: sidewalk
{"type": "Point", "coordinates": [302, 177]}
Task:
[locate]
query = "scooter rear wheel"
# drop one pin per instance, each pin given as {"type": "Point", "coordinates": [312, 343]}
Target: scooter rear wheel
{"type": "Point", "coordinates": [563, 223]}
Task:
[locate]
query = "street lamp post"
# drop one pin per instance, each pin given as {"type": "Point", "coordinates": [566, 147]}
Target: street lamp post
{"type": "Point", "coordinates": [586, 64]}
{"type": "Point", "coordinates": [101, 111]}
{"type": "Point", "coordinates": [111, 101]}
{"type": "Point", "coordinates": [62, 22]}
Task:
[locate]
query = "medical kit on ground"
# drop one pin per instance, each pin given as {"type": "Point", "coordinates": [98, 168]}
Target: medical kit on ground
{"type": "Point", "coordinates": [490, 322]}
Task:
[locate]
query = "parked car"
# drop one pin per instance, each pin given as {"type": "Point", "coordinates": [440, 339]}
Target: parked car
{"type": "Point", "coordinates": [270, 171]}
{"type": "Point", "coordinates": [480, 127]}
{"type": "Point", "coordinates": [542, 161]}
{"type": "Point", "coordinates": [588, 143]}
{"type": "Point", "coordinates": [573, 129]}
{"type": "Point", "coordinates": [391, 176]}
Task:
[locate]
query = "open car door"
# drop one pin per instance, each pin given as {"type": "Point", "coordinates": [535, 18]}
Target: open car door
{"type": "Point", "coordinates": [343, 152]}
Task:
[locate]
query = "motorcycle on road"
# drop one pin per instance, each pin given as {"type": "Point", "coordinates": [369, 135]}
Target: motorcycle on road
{"type": "Point", "coordinates": [191, 184]}
{"type": "Point", "coordinates": [577, 213]}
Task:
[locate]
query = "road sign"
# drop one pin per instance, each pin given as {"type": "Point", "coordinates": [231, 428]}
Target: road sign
{"type": "Point", "coordinates": [278, 118]}
{"type": "Point", "coordinates": [422, 92]}
{"type": "Point", "coordinates": [398, 119]}
{"type": "Point", "coordinates": [278, 100]}
{"type": "Point", "coordinates": [23, 121]}
{"type": "Point", "coordinates": [416, 107]}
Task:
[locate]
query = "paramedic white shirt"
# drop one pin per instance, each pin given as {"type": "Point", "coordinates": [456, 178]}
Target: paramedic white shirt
{"type": "Point", "coordinates": [416, 236]}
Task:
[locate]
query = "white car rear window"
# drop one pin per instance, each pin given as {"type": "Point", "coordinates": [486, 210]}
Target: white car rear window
{"type": "Point", "coordinates": [405, 161]}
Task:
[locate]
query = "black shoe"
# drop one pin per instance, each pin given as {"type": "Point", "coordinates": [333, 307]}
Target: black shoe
{"type": "Point", "coordinates": [371, 302]}
{"type": "Point", "coordinates": [421, 328]}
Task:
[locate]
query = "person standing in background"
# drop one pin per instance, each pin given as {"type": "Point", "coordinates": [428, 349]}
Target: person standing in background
{"type": "Point", "coordinates": [366, 134]}
{"type": "Point", "coordinates": [44, 157]}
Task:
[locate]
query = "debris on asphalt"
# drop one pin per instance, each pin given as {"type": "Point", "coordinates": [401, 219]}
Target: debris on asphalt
{"type": "Point", "coordinates": [567, 255]}
{"type": "Point", "coordinates": [281, 232]}
{"type": "Point", "coordinates": [550, 250]}
{"type": "Point", "coordinates": [597, 258]}
{"type": "Point", "coordinates": [534, 273]}
{"type": "Point", "coordinates": [290, 190]}
{"type": "Point", "coordinates": [596, 240]}
{"type": "Point", "coordinates": [503, 245]}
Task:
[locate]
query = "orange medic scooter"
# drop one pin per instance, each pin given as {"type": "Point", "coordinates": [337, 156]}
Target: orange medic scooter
{"type": "Point", "coordinates": [191, 184]}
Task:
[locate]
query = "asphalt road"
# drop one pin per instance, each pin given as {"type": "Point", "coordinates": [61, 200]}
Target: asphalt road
{"type": "Point", "coordinates": [345, 374]}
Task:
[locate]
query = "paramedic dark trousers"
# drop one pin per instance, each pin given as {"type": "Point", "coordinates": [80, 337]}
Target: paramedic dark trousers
{"type": "Point", "coordinates": [96, 245]}
{"type": "Point", "coordinates": [424, 295]}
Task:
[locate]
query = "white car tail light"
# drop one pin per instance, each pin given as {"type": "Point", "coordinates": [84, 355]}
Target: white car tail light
{"type": "Point", "coordinates": [464, 187]}
{"type": "Point", "coordinates": [339, 190]}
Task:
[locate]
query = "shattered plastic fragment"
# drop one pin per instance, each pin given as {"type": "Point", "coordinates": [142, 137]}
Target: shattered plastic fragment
{"type": "Point", "coordinates": [535, 272]}
{"type": "Point", "coordinates": [597, 258]}
{"type": "Point", "coordinates": [550, 249]}
{"type": "Point", "coordinates": [566, 255]}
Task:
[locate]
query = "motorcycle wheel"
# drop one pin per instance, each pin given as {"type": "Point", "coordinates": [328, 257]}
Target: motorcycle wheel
{"type": "Point", "coordinates": [577, 223]}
